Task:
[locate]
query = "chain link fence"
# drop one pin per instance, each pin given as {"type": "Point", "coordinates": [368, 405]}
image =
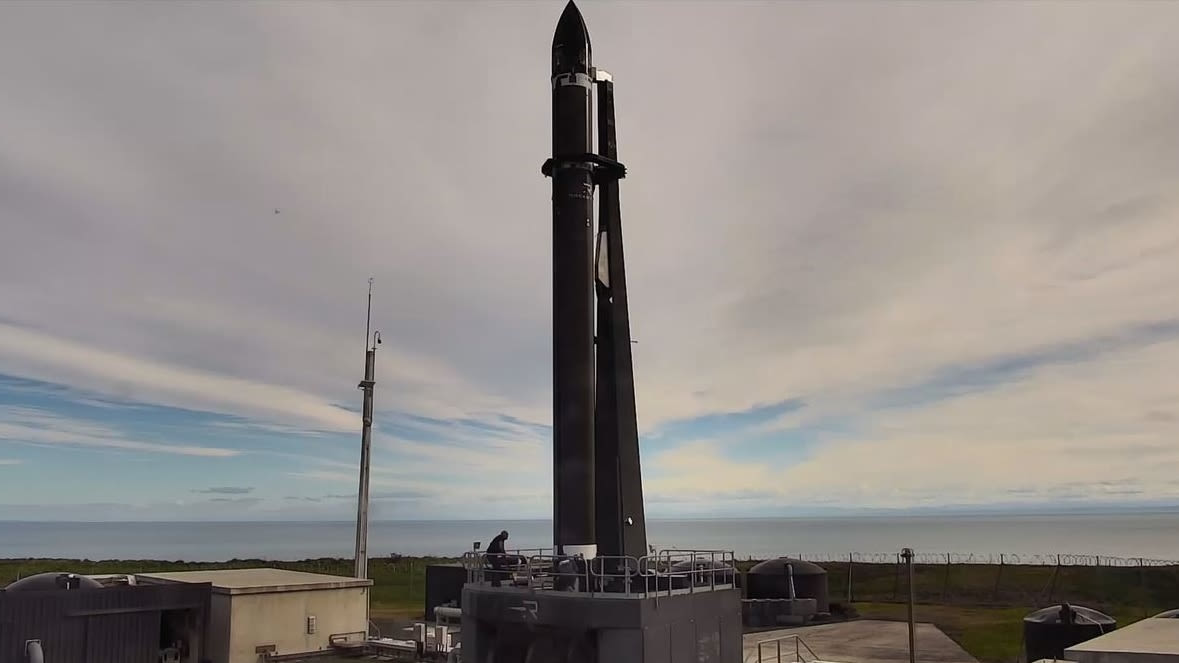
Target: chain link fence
{"type": "Point", "coordinates": [1151, 585]}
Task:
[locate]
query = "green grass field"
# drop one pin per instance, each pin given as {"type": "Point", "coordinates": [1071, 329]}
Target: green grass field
{"type": "Point", "coordinates": [980, 606]}
{"type": "Point", "coordinates": [990, 634]}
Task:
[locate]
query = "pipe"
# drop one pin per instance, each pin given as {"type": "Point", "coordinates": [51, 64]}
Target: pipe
{"type": "Point", "coordinates": [33, 652]}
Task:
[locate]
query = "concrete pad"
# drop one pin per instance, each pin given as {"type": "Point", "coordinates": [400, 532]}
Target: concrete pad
{"type": "Point", "coordinates": [859, 641]}
{"type": "Point", "coordinates": [1154, 640]}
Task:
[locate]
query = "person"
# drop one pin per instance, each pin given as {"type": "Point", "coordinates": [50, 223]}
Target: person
{"type": "Point", "coordinates": [497, 557]}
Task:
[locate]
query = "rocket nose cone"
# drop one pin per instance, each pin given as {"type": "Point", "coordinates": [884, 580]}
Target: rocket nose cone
{"type": "Point", "coordinates": [571, 35]}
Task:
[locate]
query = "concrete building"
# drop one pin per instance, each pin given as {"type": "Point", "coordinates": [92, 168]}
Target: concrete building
{"type": "Point", "coordinates": [1154, 640]}
{"type": "Point", "coordinates": [257, 611]}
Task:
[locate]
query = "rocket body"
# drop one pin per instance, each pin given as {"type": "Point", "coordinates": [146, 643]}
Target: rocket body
{"type": "Point", "coordinates": [573, 289]}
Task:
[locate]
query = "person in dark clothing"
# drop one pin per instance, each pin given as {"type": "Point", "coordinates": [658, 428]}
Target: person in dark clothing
{"type": "Point", "coordinates": [498, 558]}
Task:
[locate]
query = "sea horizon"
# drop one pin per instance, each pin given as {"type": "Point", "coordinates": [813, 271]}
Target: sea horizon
{"type": "Point", "coordinates": [1151, 534]}
{"type": "Point", "coordinates": [850, 513]}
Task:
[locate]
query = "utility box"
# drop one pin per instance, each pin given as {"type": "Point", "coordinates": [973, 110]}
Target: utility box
{"type": "Point", "coordinates": [276, 611]}
{"type": "Point", "coordinates": [444, 586]}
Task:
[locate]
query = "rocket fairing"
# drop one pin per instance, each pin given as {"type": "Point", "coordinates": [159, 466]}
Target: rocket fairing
{"type": "Point", "coordinates": [573, 289]}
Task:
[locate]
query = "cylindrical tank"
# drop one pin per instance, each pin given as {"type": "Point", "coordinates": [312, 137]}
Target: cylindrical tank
{"type": "Point", "coordinates": [53, 580]}
{"type": "Point", "coordinates": [701, 573]}
{"type": "Point", "coordinates": [769, 611]}
{"type": "Point", "coordinates": [33, 652]}
{"type": "Point", "coordinates": [1169, 614]}
{"type": "Point", "coordinates": [771, 580]}
{"type": "Point", "coordinates": [756, 613]}
{"type": "Point", "coordinates": [1049, 631]}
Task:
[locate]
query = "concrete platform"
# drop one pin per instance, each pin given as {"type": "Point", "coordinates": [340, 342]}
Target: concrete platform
{"type": "Point", "coordinates": [861, 641]}
{"type": "Point", "coordinates": [1154, 640]}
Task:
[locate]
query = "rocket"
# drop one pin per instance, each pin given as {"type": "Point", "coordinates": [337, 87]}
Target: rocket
{"type": "Point", "coordinates": [573, 290]}
{"type": "Point", "coordinates": [597, 488]}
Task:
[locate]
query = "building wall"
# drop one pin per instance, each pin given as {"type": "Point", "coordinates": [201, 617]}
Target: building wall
{"type": "Point", "coordinates": [109, 625]}
{"type": "Point", "coordinates": [218, 643]}
{"type": "Point", "coordinates": [281, 619]}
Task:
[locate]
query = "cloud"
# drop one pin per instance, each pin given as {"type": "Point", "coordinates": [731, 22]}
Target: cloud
{"type": "Point", "coordinates": [226, 490]}
{"type": "Point", "coordinates": [244, 502]}
{"type": "Point", "coordinates": [10, 461]}
{"type": "Point", "coordinates": [33, 354]}
{"type": "Point", "coordinates": [1073, 430]}
{"type": "Point", "coordinates": [399, 495]}
{"type": "Point", "coordinates": [39, 427]}
{"type": "Point", "coordinates": [955, 256]}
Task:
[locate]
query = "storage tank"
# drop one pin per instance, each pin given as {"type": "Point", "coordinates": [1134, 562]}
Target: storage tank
{"type": "Point", "coordinates": [701, 575]}
{"type": "Point", "coordinates": [53, 580]}
{"type": "Point", "coordinates": [771, 580]}
{"type": "Point", "coordinates": [1049, 631]}
{"type": "Point", "coordinates": [1169, 614]}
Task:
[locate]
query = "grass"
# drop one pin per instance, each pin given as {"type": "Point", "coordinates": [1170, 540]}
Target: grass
{"type": "Point", "coordinates": [981, 606]}
{"type": "Point", "coordinates": [990, 634]}
{"type": "Point", "coordinates": [1151, 588]}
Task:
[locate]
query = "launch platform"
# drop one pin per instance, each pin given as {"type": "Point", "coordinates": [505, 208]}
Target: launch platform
{"type": "Point", "coordinates": [673, 606]}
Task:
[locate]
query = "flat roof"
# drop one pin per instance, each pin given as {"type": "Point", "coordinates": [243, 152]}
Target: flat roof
{"type": "Point", "coordinates": [257, 581]}
{"type": "Point", "coordinates": [1148, 636]}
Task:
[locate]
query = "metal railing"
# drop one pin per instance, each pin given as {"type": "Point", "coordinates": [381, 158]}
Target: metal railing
{"type": "Point", "coordinates": [776, 647]}
{"type": "Point", "coordinates": [663, 573]}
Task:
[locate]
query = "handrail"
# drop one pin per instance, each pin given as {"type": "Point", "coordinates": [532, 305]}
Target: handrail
{"type": "Point", "coordinates": [799, 645]}
{"type": "Point", "coordinates": [651, 575]}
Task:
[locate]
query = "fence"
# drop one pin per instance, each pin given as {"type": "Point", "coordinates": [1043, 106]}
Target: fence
{"type": "Point", "coordinates": [1003, 579]}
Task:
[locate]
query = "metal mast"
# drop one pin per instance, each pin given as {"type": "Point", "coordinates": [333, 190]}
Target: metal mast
{"type": "Point", "coordinates": [366, 385]}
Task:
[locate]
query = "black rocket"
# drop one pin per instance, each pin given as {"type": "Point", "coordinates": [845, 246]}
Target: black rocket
{"type": "Point", "coordinates": [597, 487]}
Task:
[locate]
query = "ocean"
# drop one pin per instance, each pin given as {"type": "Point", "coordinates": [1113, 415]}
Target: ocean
{"type": "Point", "coordinates": [1129, 535]}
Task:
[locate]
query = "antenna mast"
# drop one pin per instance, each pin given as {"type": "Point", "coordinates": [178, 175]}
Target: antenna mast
{"type": "Point", "coordinates": [366, 385]}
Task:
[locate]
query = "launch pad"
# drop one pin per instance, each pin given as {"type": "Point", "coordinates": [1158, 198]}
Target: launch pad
{"type": "Point", "coordinates": [679, 606]}
{"type": "Point", "coordinates": [601, 595]}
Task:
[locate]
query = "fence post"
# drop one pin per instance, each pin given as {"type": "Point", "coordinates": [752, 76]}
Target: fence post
{"type": "Point", "coordinates": [907, 553]}
{"type": "Point", "coordinates": [896, 578]}
{"type": "Point", "coordinates": [946, 579]}
{"type": "Point", "coordinates": [998, 577]}
{"type": "Point", "coordinates": [1145, 599]}
{"type": "Point", "coordinates": [849, 578]}
{"type": "Point", "coordinates": [1052, 584]}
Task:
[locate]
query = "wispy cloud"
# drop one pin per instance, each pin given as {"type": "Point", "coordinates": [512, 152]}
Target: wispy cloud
{"type": "Point", "coordinates": [244, 502]}
{"type": "Point", "coordinates": [10, 461]}
{"type": "Point", "coordinates": [36, 354]}
{"type": "Point", "coordinates": [33, 426]}
{"type": "Point", "coordinates": [226, 490]}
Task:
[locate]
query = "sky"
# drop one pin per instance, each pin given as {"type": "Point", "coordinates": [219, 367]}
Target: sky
{"type": "Point", "coordinates": [881, 255]}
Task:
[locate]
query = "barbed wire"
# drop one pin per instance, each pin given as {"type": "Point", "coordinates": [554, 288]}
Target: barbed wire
{"type": "Point", "coordinates": [1019, 559]}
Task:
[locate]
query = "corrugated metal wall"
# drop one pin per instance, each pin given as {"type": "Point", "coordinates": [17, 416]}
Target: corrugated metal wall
{"type": "Point", "coordinates": [109, 625]}
{"type": "Point", "coordinates": [444, 582]}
